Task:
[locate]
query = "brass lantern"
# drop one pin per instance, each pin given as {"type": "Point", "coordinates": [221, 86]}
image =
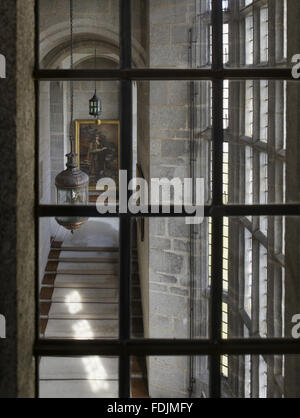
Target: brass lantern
{"type": "Point", "coordinates": [72, 189]}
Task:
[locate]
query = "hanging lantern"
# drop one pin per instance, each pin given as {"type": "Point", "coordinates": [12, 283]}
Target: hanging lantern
{"type": "Point", "coordinates": [95, 106]}
{"type": "Point", "coordinates": [72, 189]}
{"type": "Point", "coordinates": [72, 184]}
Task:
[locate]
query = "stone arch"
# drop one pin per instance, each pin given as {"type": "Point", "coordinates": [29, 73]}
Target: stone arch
{"type": "Point", "coordinates": [88, 36]}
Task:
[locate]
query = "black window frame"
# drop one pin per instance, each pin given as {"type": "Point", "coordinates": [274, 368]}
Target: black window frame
{"type": "Point", "coordinates": [125, 346]}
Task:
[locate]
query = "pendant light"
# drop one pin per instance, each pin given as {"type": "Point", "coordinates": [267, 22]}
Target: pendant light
{"type": "Point", "coordinates": [95, 104]}
{"type": "Point", "coordinates": [72, 184]}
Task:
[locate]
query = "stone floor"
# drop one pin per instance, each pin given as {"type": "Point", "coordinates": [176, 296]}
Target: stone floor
{"type": "Point", "coordinates": [79, 300]}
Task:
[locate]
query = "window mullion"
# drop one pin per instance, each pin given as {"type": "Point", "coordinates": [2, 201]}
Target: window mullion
{"type": "Point", "coordinates": [217, 196]}
{"type": "Point", "coordinates": [125, 221]}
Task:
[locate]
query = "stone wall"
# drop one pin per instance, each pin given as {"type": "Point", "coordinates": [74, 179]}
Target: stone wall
{"type": "Point", "coordinates": [170, 21]}
{"type": "Point", "coordinates": [17, 199]}
{"type": "Point", "coordinates": [169, 239]}
{"type": "Point", "coordinates": [170, 268]}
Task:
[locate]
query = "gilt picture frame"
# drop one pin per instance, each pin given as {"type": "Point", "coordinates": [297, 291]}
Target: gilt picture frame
{"type": "Point", "coordinates": [97, 145]}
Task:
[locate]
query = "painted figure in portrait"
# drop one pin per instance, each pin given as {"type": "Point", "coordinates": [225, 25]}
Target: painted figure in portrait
{"type": "Point", "coordinates": [97, 146]}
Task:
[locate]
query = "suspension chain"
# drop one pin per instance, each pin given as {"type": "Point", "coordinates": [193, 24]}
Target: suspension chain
{"type": "Point", "coordinates": [72, 82]}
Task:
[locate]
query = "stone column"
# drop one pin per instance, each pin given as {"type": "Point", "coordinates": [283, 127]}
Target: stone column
{"type": "Point", "coordinates": [17, 199]}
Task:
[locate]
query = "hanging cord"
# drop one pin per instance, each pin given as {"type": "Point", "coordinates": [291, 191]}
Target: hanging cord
{"type": "Point", "coordinates": [95, 69]}
{"type": "Point", "coordinates": [95, 63]}
{"type": "Point", "coordinates": [72, 82]}
{"type": "Point", "coordinates": [192, 380]}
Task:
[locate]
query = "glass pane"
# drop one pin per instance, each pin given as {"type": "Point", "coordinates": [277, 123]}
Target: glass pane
{"type": "Point", "coordinates": [173, 34]}
{"type": "Point", "coordinates": [263, 376]}
{"type": "Point", "coordinates": [79, 377]}
{"type": "Point", "coordinates": [137, 294]}
{"type": "Point", "coordinates": [261, 133]}
{"type": "Point", "coordinates": [260, 33]}
{"type": "Point", "coordinates": [96, 143]}
{"type": "Point", "coordinates": [79, 279]}
{"type": "Point", "coordinates": [95, 34]}
{"type": "Point", "coordinates": [139, 378]}
{"type": "Point", "coordinates": [173, 279]}
{"type": "Point", "coordinates": [260, 277]}
{"type": "Point", "coordinates": [172, 123]}
{"type": "Point", "coordinates": [170, 377]}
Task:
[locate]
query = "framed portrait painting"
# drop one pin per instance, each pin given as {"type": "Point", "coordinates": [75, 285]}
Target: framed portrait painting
{"type": "Point", "coordinates": [98, 149]}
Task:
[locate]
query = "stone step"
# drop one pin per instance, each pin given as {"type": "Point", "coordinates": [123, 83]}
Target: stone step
{"type": "Point", "coordinates": [97, 260]}
{"type": "Point", "coordinates": [78, 389]}
{"type": "Point", "coordinates": [81, 268]}
{"type": "Point", "coordinates": [60, 368]}
{"type": "Point", "coordinates": [81, 329]}
{"type": "Point", "coordinates": [76, 281]}
{"type": "Point", "coordinates": [64, 368]}
{"type": "Point", "coordinates": [84, 254]}
{"type": "Point", "coordinates": [87, 268]}
{"type": "Point", "coordinates": [87, 280]}
{"type": "Point", "coordinates": [81, 311]}
{"type": "Point", "coordinates": [85, 295]}
{"type": "Point", "coordinates": [101, 251]}
{"type": "Point", "coordinates": [64, 247]}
